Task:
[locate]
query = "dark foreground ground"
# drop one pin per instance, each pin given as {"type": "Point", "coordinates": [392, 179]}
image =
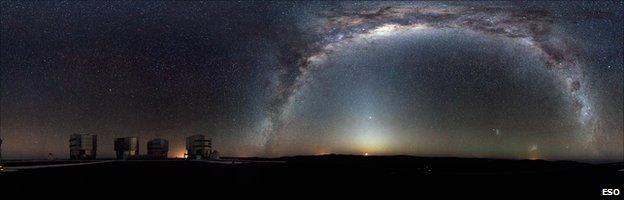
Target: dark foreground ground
{"type": "Point", "coordinates": [358, 174]}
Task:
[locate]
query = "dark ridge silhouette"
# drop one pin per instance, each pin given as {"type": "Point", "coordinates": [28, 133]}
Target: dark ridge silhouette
{"type": "Point", "coordinates": [427, 174]}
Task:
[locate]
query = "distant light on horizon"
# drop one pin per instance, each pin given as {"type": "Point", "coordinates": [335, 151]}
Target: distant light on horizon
{"type": "Point", "coordinates": [404, 82]}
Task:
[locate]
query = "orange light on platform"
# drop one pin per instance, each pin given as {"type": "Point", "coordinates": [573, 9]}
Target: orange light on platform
{"type": "Point", "coordinates": [180, 154]}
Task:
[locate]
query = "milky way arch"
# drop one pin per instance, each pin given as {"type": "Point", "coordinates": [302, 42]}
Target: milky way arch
{"type": "Point", "coordinates": [532, 28]}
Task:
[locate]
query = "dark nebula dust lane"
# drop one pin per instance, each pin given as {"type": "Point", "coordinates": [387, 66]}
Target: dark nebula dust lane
{"type": "Point", "coordinates": [476, 79]}
{"type": "Point", "coordinates": [416, 96]}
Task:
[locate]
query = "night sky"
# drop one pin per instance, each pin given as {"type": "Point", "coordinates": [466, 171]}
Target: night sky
{"type": "Point", "coordinates": [499, 80]}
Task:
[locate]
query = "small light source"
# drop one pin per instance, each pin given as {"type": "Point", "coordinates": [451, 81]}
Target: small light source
{"type": "Point", "coordinates": [366, 154]}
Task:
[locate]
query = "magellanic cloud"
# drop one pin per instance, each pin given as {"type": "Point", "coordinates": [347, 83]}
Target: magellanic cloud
{"type": "Point", "coordinates": [533, 28]}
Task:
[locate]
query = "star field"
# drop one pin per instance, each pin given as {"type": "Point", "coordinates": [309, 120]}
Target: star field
{"type": "Point", "coordinates": [476, 79]}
